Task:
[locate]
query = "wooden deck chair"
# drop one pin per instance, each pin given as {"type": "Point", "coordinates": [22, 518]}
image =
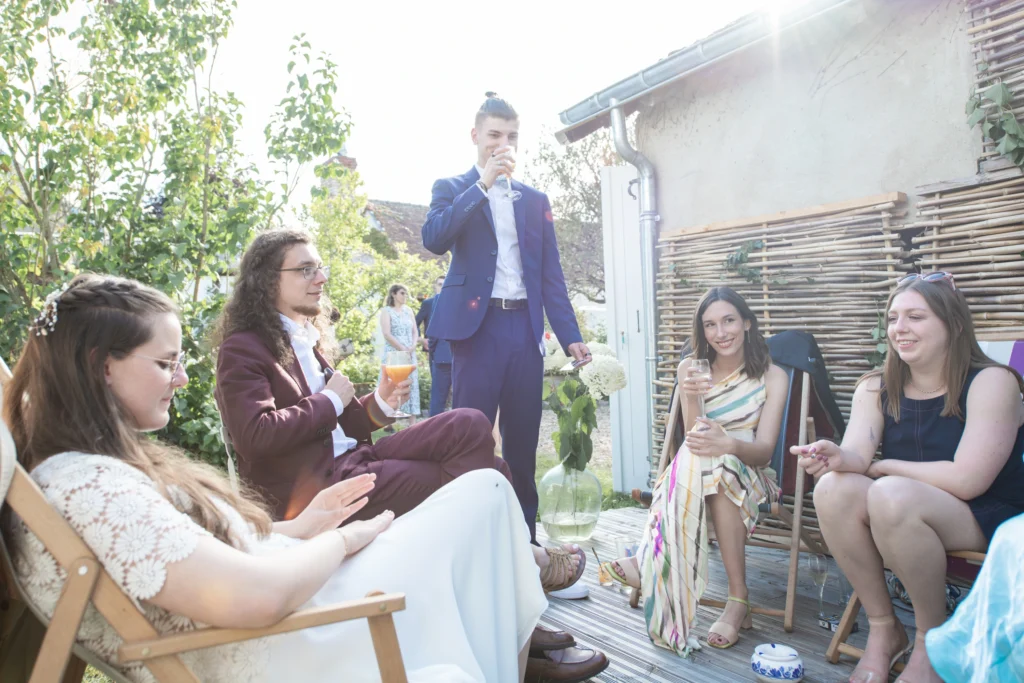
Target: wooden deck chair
{"type": "Point", "coordinates": [88, 582]}
{"type": "Point", "coordinates": [788, 524]}
{"type": "Point", "coordinates": [962, 566]}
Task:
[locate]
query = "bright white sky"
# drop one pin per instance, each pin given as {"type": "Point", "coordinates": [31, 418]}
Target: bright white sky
{"type": "Point", "coordinates": [412, 75]}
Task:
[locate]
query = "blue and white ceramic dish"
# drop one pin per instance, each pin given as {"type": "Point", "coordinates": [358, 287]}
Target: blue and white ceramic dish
{"type": "Point", "coordinates": [772, 662]}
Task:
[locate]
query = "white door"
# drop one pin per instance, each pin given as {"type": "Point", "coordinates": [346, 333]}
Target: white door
{"type": "Point", "coordinates": [630, 421]}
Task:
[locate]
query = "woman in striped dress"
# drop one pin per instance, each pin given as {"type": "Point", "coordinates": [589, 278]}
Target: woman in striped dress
{"type": "Point", "coordinates": [721, 469]}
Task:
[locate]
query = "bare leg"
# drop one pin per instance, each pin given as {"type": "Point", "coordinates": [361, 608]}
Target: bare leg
{"type": "Point", "coordinates": [841, 500]}
{"type": "Point", "coordinates": [914, 524]}
{"type": "Point", "coordinates": [732, 541]}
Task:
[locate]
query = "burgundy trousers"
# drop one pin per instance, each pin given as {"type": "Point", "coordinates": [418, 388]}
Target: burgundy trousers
{"type": "Point", "coordinates": [413, 463]}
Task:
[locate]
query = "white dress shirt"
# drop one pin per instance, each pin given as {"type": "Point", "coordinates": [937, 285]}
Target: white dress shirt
{"type": "Point", "coordinates": [303, 340]}
{"type": "Point", "coordinates": [508, 276]}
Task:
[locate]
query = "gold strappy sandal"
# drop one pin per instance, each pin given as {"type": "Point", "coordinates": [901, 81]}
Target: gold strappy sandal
{"type": "Point", "coordinates": [559, 574]}
{"type": "Point", "coordinates": [728, 631]}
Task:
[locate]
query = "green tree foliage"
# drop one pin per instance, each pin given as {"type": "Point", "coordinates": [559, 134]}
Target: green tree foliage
{"type": "Point", "coordinates": [118, 155]}
{"type": "Point", "coordinates": [363, 266]}
{"type": "Point", "coordinates": [571, 176]}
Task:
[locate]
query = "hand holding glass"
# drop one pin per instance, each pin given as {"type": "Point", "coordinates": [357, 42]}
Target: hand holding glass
{"type": "Point", "coordinates": [700, 370]}
{"type": "Point", "coordinates": [504, 181]}
{"type": "Point", "coordinates": [398, 365]}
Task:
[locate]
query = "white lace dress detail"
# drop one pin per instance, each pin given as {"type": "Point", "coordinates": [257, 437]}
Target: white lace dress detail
{"type": "Point", "coordinates": [471, 601]}
{"type": "Point", "coordinates": [136, 533]}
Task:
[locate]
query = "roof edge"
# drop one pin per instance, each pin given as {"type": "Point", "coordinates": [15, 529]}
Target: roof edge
{"type": "Point", "coordinates": [591, 114]}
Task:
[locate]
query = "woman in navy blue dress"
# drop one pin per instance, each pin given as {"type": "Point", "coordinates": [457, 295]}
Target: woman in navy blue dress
{"type": "Point", "coordinates": [950, 423]}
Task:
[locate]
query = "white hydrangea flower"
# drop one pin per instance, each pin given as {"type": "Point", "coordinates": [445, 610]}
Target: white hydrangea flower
{"type": "Point", "coordinates": [554, 361]}
{"type": "Point", "coordinates": [599, 349]}
{"type": "Point", "coordinates": [603, 375]}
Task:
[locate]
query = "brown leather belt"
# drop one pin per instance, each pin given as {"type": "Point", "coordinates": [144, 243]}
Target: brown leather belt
{"type": "Point", "coordinates": [508, 304]}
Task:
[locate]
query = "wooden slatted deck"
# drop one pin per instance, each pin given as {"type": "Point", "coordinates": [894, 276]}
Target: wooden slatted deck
{"type": "Point", "coordinates": [606, 622]}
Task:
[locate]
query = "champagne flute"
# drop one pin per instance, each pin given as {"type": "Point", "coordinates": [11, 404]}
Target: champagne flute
{"type": "Point", "coordinates": [504, 181]}
{"type": "Point", "coordinates": [701, 371]}
{"type": "Point", "coordinates": [398, 365]}
{"type": "Point", "coordinates": [817, 565]}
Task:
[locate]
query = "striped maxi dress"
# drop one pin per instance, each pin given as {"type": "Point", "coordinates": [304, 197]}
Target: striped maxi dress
{"type": "Point", "coordinates": [673, 552]}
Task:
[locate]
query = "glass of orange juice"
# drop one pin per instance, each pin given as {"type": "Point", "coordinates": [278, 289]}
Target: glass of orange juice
{"type": "Point", "coordinates": [399, 365]}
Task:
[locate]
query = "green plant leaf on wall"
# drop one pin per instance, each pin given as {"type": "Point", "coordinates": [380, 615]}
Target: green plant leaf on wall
{"type": "Point", "coordinates": [998, 93]}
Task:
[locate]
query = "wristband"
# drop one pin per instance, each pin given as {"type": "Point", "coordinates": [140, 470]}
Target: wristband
{"type": "Point", "coordinates": [481, 185]}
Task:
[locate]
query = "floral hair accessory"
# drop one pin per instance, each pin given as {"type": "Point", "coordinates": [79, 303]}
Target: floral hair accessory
{"type": "Point", "coordinates": [47, 320]}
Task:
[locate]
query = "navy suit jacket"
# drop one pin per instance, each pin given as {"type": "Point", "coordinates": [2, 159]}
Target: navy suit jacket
{"type": "Point", "coordinates": [440, 350]}
{"type": "Point", "coordinates": [460, 221]}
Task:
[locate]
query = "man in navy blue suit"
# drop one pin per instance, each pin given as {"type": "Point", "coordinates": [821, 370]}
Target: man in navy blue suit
{"type": "Point", "coordinates": [505, 275]}
{"type": "Point", "coordinates": [440, 353]}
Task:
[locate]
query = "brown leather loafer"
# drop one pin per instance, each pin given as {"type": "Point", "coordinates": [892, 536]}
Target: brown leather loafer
{"type": "Point", "coordinates": [546, 639]}
{"type": "Point", "coordinates": [547, 670]}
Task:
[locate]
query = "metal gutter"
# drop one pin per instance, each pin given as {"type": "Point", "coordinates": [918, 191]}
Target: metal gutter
{"type": "Point", "coordinates": [593, 113]}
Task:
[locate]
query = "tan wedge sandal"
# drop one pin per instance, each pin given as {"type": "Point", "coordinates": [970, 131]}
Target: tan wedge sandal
{"type": "Point", "coordinates": [862, 674]}
{"type": "Point", "coordinates": [728, 631]}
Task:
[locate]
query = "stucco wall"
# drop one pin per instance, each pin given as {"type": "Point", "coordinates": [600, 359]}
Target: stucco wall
{"type": "Point", "coordinates": [866, 98]}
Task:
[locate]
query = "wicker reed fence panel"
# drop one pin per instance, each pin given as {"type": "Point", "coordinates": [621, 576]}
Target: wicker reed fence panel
{"type": "Point", "coordinates": [826, 270]}
{"type": "Point", "coordinates": [976, 232]}
{"type": "Point", "coordinates": [994, 31]}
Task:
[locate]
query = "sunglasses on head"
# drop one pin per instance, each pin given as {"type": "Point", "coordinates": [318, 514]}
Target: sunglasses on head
{"type": "Point", "coordinates": [930, 277]}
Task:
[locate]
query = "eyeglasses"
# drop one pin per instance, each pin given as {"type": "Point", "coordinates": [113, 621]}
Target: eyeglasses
{"type": "Point", "coordinates": [309, 272]}
{"type": "Point", "coordinates": [171, 366]}
{"type": "Point", "coordinates": [930, 277]}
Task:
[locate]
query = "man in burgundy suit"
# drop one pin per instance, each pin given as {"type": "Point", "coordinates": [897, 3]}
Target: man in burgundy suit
{"type": "Point", "coordinates": [296, 425]}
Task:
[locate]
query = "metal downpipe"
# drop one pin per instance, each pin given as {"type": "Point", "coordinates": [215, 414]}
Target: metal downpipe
{"type": "Point", "coordinates": [648, 230]}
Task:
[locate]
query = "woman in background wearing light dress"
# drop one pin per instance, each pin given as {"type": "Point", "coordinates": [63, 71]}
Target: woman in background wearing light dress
{"type": "Point", "coordinates": [398, 325]}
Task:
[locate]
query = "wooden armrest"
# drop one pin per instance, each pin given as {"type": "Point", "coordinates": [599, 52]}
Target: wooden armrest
{"type": "Point", "coordinates": [374, 605]}
{"type": "Point", "coordinates": [971, 556]}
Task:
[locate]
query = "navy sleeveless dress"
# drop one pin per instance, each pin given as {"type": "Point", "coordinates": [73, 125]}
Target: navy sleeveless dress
{"type": "Point", "coordinates": [924, 435]}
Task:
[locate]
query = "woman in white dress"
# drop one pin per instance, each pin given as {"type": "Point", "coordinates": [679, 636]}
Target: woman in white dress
{"type": "Point", "coordinates": [175, 537]}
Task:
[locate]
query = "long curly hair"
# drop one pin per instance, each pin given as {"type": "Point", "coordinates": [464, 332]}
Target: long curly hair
{"type": "Point", "coordinates": [253, 303]}
{"type": "Point", "coordinates": [60, 401]}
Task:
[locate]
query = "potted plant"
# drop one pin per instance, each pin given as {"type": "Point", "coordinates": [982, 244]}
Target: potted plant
{"type": "Point", "coordinates": [570, 495]}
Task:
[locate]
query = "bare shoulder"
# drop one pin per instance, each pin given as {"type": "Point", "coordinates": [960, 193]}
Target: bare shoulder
{"type": "Point", "coordinates": [868, 395]}
{"type": "Point", "coordinates": [995, 382]}
{"type": "Point", "coordinates": [775, 374]}
{"type": "Point", "coordinates": [871, 384]}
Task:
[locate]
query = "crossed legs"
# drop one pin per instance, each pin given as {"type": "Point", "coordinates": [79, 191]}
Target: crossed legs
{"type": "Point", "coordinates": [907, 526]}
